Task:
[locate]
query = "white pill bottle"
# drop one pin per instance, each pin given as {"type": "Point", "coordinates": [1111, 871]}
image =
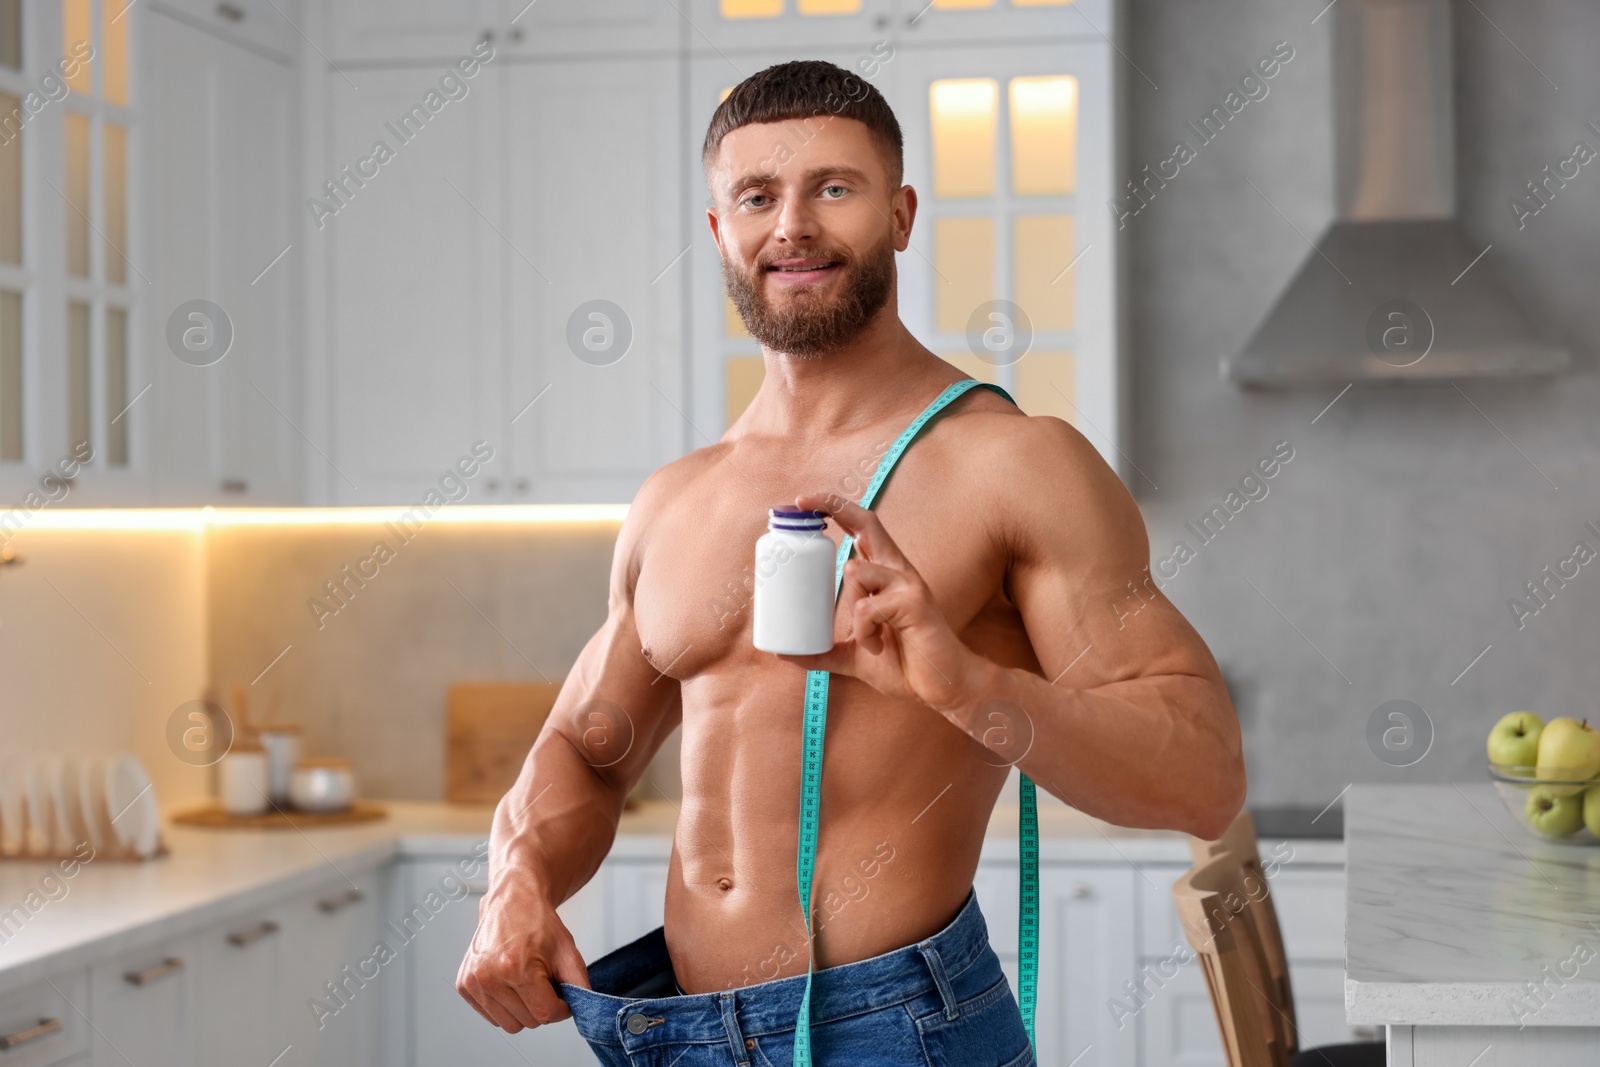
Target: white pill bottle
{"type": "Point", "coordinates": [795, 563]}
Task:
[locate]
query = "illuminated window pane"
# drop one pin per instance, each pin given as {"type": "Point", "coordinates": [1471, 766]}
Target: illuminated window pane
{"type": "Point", "coordinates": [113, 57]}
{"type": "Point", "coordinates": [10, 181]}
{"type": "Point", "coordinates": [971, 365]}
{"type": "Point", "coordinates": [1044, 134]}
{"type": "Point", "coordinates": [964, 114]}
{"type": "Point", "coordinates": [116, 189]}
{"type": "Point", "coordinates": [75, 31]}
{"type": "Point", "coordinates": [733, 325]}
{"type": "Point", "coordinates": [724, 95]}
{"type": "Point", "coordinates": [77, 373]}
{"type": "Point", "coordinates": [11, 34]}
{"type": "Point", "coordinates": [960, 5]}
{"type": "Point", "coordinates": [742, 376]}
{"type": "Point", "coordinates": [77, 213]}
{"type": "Point", "coordinates": [1043, 247]}
{"type": "Point", "coordinates": [10, 376]}
{"type": "Point", "coordinates": [751, 9]}
{"type": "Point", "coordinates": [1047, 385]}
{"type": "Point", "coordinates": [964, 261]}
{"type": "Point", "coordinates": [116, 386]}
{"type": "Point", "coordinates": [829, 7]}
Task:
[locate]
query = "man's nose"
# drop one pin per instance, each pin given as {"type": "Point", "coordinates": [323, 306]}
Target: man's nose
{"type": "Point", "coordinates": [797, 221]}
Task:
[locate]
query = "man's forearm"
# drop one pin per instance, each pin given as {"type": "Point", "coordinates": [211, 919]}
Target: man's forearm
{"type": "Point", "coordinates": [1160, 751]}
{"type": "Point", "coordinates": [556, 824]}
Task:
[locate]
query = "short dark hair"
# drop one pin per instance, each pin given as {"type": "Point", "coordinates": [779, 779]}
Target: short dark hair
{"type": "Point", "coordinates": [800, 89]}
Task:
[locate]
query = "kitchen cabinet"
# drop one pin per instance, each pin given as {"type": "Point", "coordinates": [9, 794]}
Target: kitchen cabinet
{"type": "Point", "coordinates": [262, 25]}
{"type": "Point", "coordinates": [46, 1021]}
{"type": "Point", "coordinates": [594, 259]}
{"type": "Point", "coordinates": [562, 28]}
{"type": "Point", "coordinates": [238, 981]}
{"type": "Point", "coordinates": [721, 26]}
{"type": "Point", "coordinates": [636, 894]}
{"type": "Point", "coordinates": [143, 1005]}
{"type": "Point", "coordinates": [333, 973]}
{"type": "Point", "coordinates": [407, 29]}
{"type": "Point", "coordinates": [444, 1028]}
{"type": "Point", "coordinates": [221, 124]}
{"type": "Point", "coordinates": [1004, 20]}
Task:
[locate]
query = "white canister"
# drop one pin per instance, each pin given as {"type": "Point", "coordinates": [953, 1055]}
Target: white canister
{"type": "Point", "coordinates": [282, 744]}
{"type": "Point", "coordinates": [242, 779]}
{"type": "Point", "coordinates": [794, 580]}
{"type": "Point", "coordinates": [322, 785]}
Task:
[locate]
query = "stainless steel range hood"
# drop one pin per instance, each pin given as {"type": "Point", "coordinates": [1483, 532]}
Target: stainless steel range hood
{"type": "Point", "coordinates": [1395, 289]}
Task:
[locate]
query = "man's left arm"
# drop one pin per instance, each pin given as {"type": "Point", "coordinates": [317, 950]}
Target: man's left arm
{"type": "Point", "coordinates": [1131, 721]}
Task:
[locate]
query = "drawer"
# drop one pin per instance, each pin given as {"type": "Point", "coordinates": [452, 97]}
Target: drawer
{"type": "Point", "coordinates": [46, 1019]}
{"type": "Point", "coordinates": [1309, 902]}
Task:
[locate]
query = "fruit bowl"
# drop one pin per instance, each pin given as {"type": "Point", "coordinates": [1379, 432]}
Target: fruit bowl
{"type": "Point", "coordinates": [1549, 808]}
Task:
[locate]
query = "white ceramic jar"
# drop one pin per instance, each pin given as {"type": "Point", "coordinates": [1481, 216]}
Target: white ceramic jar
{"type": "Point", "coordinates": [282, 744]}
{"type": "Point", "coordinates": [794, 584]}
{"type": "Point", "coordinates": [242, 779]}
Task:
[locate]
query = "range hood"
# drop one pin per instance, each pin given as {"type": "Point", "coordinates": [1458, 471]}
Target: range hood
{"type": "Point", "coordinates": [1395, 289]}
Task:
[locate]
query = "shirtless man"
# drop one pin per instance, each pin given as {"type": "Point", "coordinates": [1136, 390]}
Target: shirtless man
{"type": "Point", "coordinates": [986, 582]}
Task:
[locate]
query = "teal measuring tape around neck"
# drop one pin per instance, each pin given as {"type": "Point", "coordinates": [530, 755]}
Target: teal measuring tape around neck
{"type": "Point", "coordinates": [816, 717]}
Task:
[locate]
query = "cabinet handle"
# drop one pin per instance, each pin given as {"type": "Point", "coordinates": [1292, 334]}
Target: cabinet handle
{"type": "Point", "coordinates": [32, 1033]}
{"type": "Point", "coordinates": [150, 974]}
{"type": "Point", "coordinates": [340, 900]}
{"type": "Point", "coordinates": [245, 937]}
{"type": "Point", "coordinates": [235, 485]}
{"type": "Point", "coordinates": [474, 887]}
{"type": "Point", "coordinates": [486, 36]}
{"type": "Point", "coordinates": [230, 12]}
{"type": "Point", "coordinates": [1082, 891]}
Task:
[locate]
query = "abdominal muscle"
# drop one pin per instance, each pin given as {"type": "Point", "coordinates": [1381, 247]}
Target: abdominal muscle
{"type": "Point", "coordinates": [906, 797]}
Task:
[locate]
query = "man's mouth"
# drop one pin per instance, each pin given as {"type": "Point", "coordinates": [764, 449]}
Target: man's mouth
{"type": "Point", "coordinates": [802, 266]}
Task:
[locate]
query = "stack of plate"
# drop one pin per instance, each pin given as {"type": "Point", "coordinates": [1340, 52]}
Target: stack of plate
{"type": "Point", "coordinates": [53, 805]}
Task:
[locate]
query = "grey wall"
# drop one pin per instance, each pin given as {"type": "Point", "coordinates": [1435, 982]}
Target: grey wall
{"type": "Point", "coordinates": [1406, 519]}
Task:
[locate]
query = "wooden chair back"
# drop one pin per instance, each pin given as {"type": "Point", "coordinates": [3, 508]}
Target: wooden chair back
{"type": "Point", "coordinates": [1211, 903]}
{"type": "Point", "coordinates": [1240, 842]}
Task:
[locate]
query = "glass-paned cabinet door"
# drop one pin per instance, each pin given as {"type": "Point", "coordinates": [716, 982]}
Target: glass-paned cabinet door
{"type": "Point", "coordinates": [799, 25]}
{"type": "Point", "coordinates": [1011, 272]}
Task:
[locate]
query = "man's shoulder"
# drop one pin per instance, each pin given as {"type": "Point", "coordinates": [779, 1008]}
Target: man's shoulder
{"type": "Point", "coordinates": [674, 482]}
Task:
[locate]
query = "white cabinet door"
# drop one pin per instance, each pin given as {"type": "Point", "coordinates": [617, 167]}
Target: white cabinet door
{"type": "Point", "coordinates": [407, 29]}
{"type": "Point", "coordinates": [1004, 21]}
{"type": "Point", "coordinates": [239, 1005]}
{"type": "Point", "coordinates": [595, 263]}
{"type": "Point", "coordinates": [270, 24]}
{"type": "Point", "coordinates": [223, 148]}
{"type": "Point", "coordinates": [555, 28]}
{"type": "Point", "coordinates": [636, 898]}
{"type": "Point", "coordinates": [142, 1004]}
{"type": "Point", "coordinates": [437, 928]}
{"type": "Point", "coordinates": [414, 374]}
{"type": "Point", "coordinates": [43, 1023]}
{"type": "Point", "coordinates": [1086, 953]}
{"type": "Point", "coordinates": [334, 971]}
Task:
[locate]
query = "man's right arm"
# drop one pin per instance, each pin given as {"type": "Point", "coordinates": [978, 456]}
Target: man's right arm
{"type": "Point", "coordinates": [553, 829]}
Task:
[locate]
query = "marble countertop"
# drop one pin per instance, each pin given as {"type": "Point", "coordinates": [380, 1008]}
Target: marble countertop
{"type": "Point", "coordinates": [211, 875]}
{"type": "Point", "coordinates": [1453, 908]}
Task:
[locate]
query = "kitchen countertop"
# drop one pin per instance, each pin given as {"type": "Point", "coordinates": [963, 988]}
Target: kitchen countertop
{"type": "Point", "coordinates": [1452, 907]}
{"type": "Point", "coordinates": [210, 875]}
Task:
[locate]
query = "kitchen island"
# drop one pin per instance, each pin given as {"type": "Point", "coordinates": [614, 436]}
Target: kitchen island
{"type": "Point", "coordinates": [1472, 940]}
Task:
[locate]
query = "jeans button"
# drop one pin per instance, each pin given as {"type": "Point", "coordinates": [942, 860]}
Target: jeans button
{"type": "Point", "coordinates": [637, 1023]}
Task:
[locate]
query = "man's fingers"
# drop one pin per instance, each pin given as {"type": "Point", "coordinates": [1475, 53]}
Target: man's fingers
{"type": "Point", "coordinates": [872, 540]}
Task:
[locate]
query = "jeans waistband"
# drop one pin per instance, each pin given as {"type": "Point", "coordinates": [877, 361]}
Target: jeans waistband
{"type": "Point", "coordinates": [882, 981]}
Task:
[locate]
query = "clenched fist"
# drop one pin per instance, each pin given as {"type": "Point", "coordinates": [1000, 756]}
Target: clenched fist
{"type": "Point", "coordinates": [519, 953]}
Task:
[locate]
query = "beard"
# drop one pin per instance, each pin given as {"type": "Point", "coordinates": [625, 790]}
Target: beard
{"type": "Point", "coordinates": [806, 323]}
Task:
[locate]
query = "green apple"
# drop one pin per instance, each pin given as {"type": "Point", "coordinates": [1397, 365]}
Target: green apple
{"type": "Point", "coordinates": [1568, 750]}
{"type": "Point", "coordinates": [1591, 809]}
{"type": "Point", "coordinates": [1514, 741]}
{"type": "Point", "coordinates": [1553, 814]}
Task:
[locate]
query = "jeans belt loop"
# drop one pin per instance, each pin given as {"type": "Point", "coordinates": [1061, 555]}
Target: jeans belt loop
{"type": "Point", "coordinates": [936, 966]}
{"type": "Point", "coordinates": [730, 1021]}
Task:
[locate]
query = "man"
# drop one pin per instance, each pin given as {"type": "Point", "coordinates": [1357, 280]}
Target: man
{"type": "Point", "coordinates": [981, 625]}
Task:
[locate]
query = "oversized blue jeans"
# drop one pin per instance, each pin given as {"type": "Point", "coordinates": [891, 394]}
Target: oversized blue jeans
{"type": "Point", "coordinates": [942, 1002]}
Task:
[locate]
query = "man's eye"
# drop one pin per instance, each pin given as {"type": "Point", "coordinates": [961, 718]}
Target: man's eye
{"type": "Point", "coordinates": [749, 200]}
{"type": "Point", "coordinates": [841, 189]}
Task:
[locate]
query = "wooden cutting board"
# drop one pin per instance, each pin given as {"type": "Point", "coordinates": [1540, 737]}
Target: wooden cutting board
{"type": "Point", "coordinates": [490, 728]}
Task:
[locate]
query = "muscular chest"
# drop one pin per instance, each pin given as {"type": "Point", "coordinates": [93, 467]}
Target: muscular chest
{"type": "Point", "coordinates": [694, 598]}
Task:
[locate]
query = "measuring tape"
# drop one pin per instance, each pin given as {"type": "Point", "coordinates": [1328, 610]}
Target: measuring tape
{"type": "Point", "coordinates": [816, 718]}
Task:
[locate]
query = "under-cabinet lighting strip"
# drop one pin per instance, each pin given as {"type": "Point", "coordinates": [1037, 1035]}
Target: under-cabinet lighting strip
{"type": "Point", "coordinates": [198, 519]}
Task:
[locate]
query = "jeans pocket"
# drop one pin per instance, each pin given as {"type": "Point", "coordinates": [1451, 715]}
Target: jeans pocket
{"type": "Point", "coordinates": [987, 1030]}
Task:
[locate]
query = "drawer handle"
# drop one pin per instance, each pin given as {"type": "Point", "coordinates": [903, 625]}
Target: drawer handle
{"type": "Point", "coordinates": [32, 1033]}
{"type": "Point", "coordinates": [245, 937]}
{"type": "Point", "coordinates": [1081, 891]}
{"type": "Point", "coordinates": [340, 900]}
{"type": "Point", "coordinates": [150, 974]}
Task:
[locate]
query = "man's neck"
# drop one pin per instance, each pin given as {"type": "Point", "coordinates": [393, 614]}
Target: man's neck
{"type": "Point", "coordinates": [846, 390]}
